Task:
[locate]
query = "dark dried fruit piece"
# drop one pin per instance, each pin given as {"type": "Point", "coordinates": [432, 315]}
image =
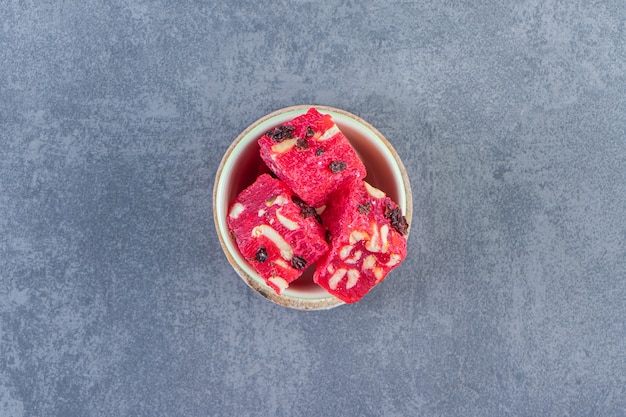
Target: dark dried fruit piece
{"type": "Point", "coordinates": [298, 262]}
{"type": "Point", "coordinates": [398, 221]}
{"type": "Point", "coordinates": [261, 254]}
{"type": "Point", "coordinates": [319, 151]}
{"type": "Point", "coordinates": [328, 236]}
{"type": "Point", "coordinates": [281, 133]}
{"type": "Point", "coordinates": [298, 201]}
{"type": "Point", "coordinates": [309, 132]}
{"type": "Point", "coordinates": [302, 144]}
{"type": "Point", "coordinates": [365, 208]}
{"type": "Point", "coordinates": [306, 211]}
{"type": "Point", "coordinates": [337, 166]}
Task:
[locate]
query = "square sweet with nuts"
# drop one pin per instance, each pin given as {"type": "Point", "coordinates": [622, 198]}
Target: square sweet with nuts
{"type": "Point", "coordinates": [276, 231]}
{"type": "Point", "coordinates": [367, 232]}
{"type": "Point", "coordinates": [312, 156]}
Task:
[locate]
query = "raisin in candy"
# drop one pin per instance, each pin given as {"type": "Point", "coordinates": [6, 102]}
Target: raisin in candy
{"type": "Point", "coordinates": [312, 156]}
{"type": "Point", "coordinates": [278, 237]}
{"type": "Point", "coordinates": [367, 241]}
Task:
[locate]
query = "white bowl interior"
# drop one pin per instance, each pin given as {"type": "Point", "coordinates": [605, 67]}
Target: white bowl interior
{"type": "Point", "coordinates": [241, 166]}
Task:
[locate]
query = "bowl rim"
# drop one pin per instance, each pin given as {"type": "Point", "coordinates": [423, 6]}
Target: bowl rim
{"type": "Point", "coordinates": [287, 300]}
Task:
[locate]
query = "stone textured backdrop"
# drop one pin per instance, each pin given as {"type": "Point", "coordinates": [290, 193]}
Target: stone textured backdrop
{"type": "Point", "coordinates": [115, 297]}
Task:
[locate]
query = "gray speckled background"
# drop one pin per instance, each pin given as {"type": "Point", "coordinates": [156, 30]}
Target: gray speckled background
{"type": "Point", "coordinates": [115, 297]}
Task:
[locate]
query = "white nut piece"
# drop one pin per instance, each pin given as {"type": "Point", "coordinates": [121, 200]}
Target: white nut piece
{"type": "Point", "coordinates": [269, 232]}
{"type": "Point", "coordinates": [329, 133]}
{"type": "Point", "coordinates": [357, 236]}
{"type": "Point", "coordinates": [378, 273]}
{"type": "Point", "coordinates": [285, 221]}
{"type": "Point", "coordinates": [281, 263]}
{"type": "Point", "coordinates": [345, 251]}
{"type": "Point", "coordinates": [336, 278]}
{"type": "Point", "coordinates": [373, 191]}
{"type": "Point", "coordinates": [280, 200]}
{"type": "Point", "coordinates": [353, 278]}
{"type": "Point", "coordinates": [384, 237]}
{"type": "Point", "coordinates": [284, 146]}
{"type": "Point", "coordinates": [279, 282]}
{"type": "Point", "coordinates": [261, 212]}
{"type": "Point", "coordinates": [394, 260]}
{"type": "Point", "coordinates": [236, 210]}
{"type": "Point", "coordinates": [372, 245]}
{"type": "Point", "coordinates": [369, 262]}
{"type": "Point", "coordinates": [354, 258]}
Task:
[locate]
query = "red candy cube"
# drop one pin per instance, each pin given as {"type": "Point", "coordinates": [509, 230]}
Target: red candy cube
{"type": "Point", "coordinates": [312, 156]}
{"type": "Point", "coordinates": [276, 231]}
{"type": "Point", "coordinates": [367, 232]}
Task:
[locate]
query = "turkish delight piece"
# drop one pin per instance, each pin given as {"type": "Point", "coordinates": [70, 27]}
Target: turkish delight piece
{"type": "Point", "coordinates": [312, 156]}
{"type": "Point", "coordinates": [275, 231]}
{"type": "Point", "coordinates": [367, 235]}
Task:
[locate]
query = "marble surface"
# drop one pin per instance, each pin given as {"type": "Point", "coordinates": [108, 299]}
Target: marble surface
{"type": "Point", "coordinates": [115, 297]}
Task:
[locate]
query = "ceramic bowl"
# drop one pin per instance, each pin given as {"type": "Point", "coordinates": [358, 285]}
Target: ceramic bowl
{"type": "Point", "coordinates": [239, 168]}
